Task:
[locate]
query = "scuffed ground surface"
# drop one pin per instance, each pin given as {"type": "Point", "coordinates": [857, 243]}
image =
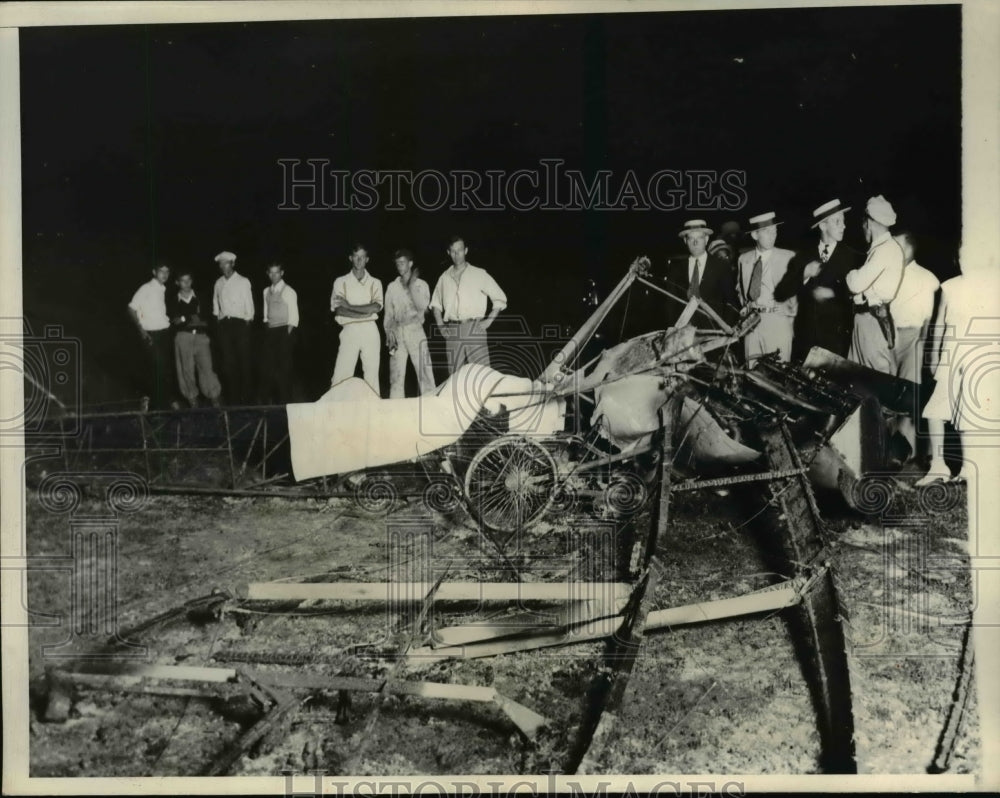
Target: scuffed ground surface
{"type": "Point", "coordinates": [720, 697]}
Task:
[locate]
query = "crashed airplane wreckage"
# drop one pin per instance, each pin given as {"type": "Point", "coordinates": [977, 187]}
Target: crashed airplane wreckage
{"type": "Point", "coordinates": [670, 411]}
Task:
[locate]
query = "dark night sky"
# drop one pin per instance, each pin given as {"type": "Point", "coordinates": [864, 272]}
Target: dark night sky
{"type": "Point", "coordinates": [161, 143]}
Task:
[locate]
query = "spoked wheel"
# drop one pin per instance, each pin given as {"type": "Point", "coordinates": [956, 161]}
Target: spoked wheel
{"type": "Point", "coordinates": [510, 482]}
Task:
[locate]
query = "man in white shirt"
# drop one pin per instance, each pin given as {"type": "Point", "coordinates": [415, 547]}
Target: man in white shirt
{"type": "Point", "coordinates": [873, 287]}
{"type": "Point", "coordinates": [962, 356]}
{"type": "Point", "coordinates": [356, 301]}
{"type": "Point", "coordinates": [406, 302]}
{"type": "Point", "coordinates": [148, 311]}
{"type": "Point", "coordinates": [912, 310]}
{"type": "Point", "coordinates": [459, 306]}
{"type": "Point", "coordinates": [232, 305]}
{"type": "Point", "coordinates": [281, 319]}
{"type": "Point", "coordinates": [759, 272]}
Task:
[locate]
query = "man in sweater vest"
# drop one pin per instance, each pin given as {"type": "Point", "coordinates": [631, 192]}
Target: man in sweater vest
{"type": "Point", "coordinates": [281, 318]}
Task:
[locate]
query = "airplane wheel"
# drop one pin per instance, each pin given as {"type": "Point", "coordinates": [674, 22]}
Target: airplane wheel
{"type": "Point", "coordinates": [510, 483]}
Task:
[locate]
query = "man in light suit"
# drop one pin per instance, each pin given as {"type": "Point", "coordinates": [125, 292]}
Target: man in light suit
{"type": "Point", "coordinates": [816, 276]}
{"type": "Point", "coordinates": [760, 271]}
{"type": "Point", "coordinates": [703, 275]}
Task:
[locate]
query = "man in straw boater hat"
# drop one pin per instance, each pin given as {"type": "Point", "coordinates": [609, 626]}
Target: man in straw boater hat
{"type": "Point", "coordinates": [874, 285]}
{"type": "Point", "coordinates": [702, 275]}
{"type": "Point", "coordinates": [759, 272]}
{"type": "Point", "coordinates": [817, 277]}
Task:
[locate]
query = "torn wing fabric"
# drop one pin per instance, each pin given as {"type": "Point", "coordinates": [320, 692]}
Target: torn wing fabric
{"type": "Point", "coordinates": [351, 428]}
{"type": "Point", "coordinates": [628, 408]}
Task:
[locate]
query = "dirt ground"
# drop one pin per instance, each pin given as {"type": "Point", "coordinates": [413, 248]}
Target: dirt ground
{"type": "Point", "coordinates": [721, 697]}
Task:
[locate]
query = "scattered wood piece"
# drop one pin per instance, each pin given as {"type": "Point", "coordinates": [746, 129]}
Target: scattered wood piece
{"type": "Point", "coordinates": [573, 613]}
{"type": "Point", "coordinates": [128, 673]}
{"type": "Point", "coordinates": [450, 591]}
{"type": "Point", "coordinates": [769, 599]}
{"type": "Point", "coordinates": [527, 720]}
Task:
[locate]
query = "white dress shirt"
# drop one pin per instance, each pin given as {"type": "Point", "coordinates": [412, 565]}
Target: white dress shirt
{"type": "Point", "coordinates": [233, 298]}
{"type": "Point", "coordinates": [150, 305]}
{"type": "Point", "coordinates": [463, 297]}
{"type": "Point", "coordinates": [366, 291]}
{"type": "Point", "coordinates": [877, 281]}
{"type": "Point", "coordinates": [914, 302]}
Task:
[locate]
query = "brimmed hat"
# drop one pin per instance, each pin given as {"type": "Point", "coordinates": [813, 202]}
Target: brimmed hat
{"type": "Point", "coordinates": [828, 209]}
{"type": "Point", "coordinates": [695, 226]}
{"type": "Point", "coordinates": [716, 244]}
{"type": "Point", "coordinates": [768, 219]}
{"type": "Point", "coordinates": [879, 209]}
{"type": "Point", "coordinates": [225, 256]}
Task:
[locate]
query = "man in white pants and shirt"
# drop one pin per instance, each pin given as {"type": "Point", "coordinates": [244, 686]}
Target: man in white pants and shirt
{"type": "Point", "coordinates": [874, 286]}
{"type": "Point", "coordinates": [356, 301]}
{"type": "Point", "coordinates": [459, 305]}
{"type": "Point", "coordinates": [406, 302]}
{"type": "Point", "coordinates": [912, 310]}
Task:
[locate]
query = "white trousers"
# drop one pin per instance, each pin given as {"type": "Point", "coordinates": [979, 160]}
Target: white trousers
{"type": "Point", "coordinates": [411, 343]}
{"type": "Point", "coordinates": [359, 338]}
{"type": "Point", "coordinates": [772, 334]}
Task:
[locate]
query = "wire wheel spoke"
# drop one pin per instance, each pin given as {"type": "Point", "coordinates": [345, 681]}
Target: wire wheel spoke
{"type": "Point", "coordinates": [510, 482]}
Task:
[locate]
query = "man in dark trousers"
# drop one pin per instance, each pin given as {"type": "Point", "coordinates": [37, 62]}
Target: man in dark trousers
{"type": "Point", "coordinates": [148, 311]}
{"type": "Point", "coordinates": [816, 277]}
{"type": "Point", "coordinates": [232, 304]}
{"type": "Point", "coordinates": [281, 319]}
{"type": "Point", "coordinates": [703, 275]}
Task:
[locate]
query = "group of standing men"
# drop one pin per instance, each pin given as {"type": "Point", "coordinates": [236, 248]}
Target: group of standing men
{"type": "Point", "coordinates": [173, 324]}
{"type": "Point", "coordinates": [870, 308]}
{"type": "Point", "coordinates": [873, 309]}
{"type": "Point", "coordinates": [458, 302]}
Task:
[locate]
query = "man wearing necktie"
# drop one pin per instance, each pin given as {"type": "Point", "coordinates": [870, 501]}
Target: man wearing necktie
{"type": "Point", "coordinates": [816, 277]}
{"type": "Point", "coordinates": [703, 275]}
{"type": "Point", "coordinates": [760, 271]}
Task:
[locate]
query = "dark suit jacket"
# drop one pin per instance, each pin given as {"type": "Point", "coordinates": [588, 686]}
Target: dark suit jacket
{"type": "Point", "coordinates": [718, 289]}
{"type": "Point", "coordinates": [829, 323]}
